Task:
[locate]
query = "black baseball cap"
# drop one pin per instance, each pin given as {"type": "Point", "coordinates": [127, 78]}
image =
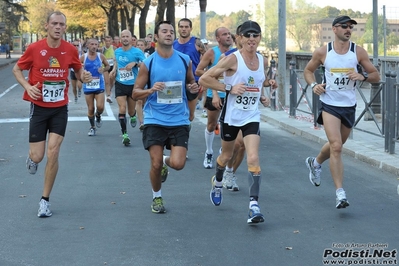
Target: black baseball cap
{"type": "Point", "coordinates": [343, 19]}
{"type": "Point", "coordinates": [250, 26]}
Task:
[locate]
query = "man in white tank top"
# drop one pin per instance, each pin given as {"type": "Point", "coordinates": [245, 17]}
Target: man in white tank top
{"type": "Point", "coordinates": [244, 78]}
{"type": "Point", "coordinates": [338, 96]}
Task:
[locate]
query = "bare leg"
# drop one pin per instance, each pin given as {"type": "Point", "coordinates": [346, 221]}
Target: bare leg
{"type": "Point", "coordinates": [50, 173]}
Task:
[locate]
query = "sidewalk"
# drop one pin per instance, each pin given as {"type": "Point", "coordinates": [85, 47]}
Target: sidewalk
{"type": "Point", "coordinates": [8, 61]}
{"type": "Point", "coordinates": [361, 145]}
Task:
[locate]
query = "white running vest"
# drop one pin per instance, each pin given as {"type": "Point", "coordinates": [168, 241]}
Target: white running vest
{"type": "Point", "coordinates": [239, 110]}
{"type": "Point", "coordinates": [340, 90]}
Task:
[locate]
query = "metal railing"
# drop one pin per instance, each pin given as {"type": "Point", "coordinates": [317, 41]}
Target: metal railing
{"type": "Point", "coordinates": [389, 104]}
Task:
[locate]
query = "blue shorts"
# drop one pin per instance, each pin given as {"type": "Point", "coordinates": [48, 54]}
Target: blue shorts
{"type": "Point", "coordinates": [347, 115]}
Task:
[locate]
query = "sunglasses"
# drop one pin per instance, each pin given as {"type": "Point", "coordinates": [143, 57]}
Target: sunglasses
{"type": "Point", "coordinates": [345, 26]}
{"type": "Point", "coordinates": [250, 34]}
{"type": "Point", "coordinates": [76, 45]}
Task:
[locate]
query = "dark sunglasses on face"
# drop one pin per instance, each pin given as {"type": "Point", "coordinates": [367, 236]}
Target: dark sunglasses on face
{"type": "Point", "coordinates": [345, 26]}
{"type": "Point", "coordinates": [250, 34]}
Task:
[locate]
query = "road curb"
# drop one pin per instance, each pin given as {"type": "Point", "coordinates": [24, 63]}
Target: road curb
{"type": "Point", "coordinates": [11, 62]}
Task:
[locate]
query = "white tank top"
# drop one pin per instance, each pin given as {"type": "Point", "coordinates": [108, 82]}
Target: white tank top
{"type": "Point", "coordinates": [239, 110]}
{"type": "Point", "coordinates": [340, 91]}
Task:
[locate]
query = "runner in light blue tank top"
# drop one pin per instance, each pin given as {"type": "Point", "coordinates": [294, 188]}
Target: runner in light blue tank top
{"type": "Point", "coordinates": [171, 109]}
{"type": "Point", "coordinates": [165, 79]}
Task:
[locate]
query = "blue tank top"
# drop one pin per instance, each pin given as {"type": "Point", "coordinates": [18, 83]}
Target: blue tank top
{"type": "Point", "coordinates": [217, 54]}
{"type": "Point", "coordinates": [189, 49]}
{"type": "Point", "coordinates": [97, 84]}
{"type": "Point", "coordinates": [123, 58]}
{"type": "Point", "coordinates": [169, 107]}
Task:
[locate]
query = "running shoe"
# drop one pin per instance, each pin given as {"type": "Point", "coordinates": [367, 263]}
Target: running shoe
{"type": "Point", "coordinates": [76, 99]}
{"type": "Point", "coordinates": [230, 181]}
{"type": "Point", "coordinates": [341, 202]}
{"type": "Point", "coordinates": [198, 106]}
{"type": "Point", "coordinates": [217, 129]}
{"type": "Point", "coordinates": [92, 132]}
{"type": "Point", "coordinates": [125, 139]}
{"type": "Point", "coordinates": [234, 186]}
{"type": "Point", "coordinates": [204, 114]}
{"type": "Point", "coordinates": [80, 92]}
{"type": "Point", "coordinates": [254, 215]}
{"type": "Point", "coordinates": [208, 161]}
{"type": "Point", "coordinates": [227, 179]}
{"type": "Point", "coordinates": [157, 205]}
{"type": "Point", "coordinates": [31, 166]}
{"type": "Point", "coordinates": [141, 127]}
{"type": "Point", "coordinates": [133, 121]}
{"type": "Point", "coordinates": [109, 100]}
{"type": "Point", "coordinates": [314, 172]}
{"type": "Point", "coordinates": [164, 172]}
{"type": "Point", "coordinates": [44, 210]}
{"type": "Point", "coordinates": [216, 193]}
{"type": "Point", "coordinates": [99, 122]}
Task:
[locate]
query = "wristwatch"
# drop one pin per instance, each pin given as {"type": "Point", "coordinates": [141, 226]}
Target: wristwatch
{"type": "Point", "coordinates": [365, 75]}
{"type": "Point", "coordinates": [228, 87]}
{"type": "Point", "coordinates": [313, 84]}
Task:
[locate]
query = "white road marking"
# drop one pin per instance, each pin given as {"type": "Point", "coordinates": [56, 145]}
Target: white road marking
{"type": "Point", "coordinates": [8, 90]}
{"type": "Point", "coordinates": [108, 110]}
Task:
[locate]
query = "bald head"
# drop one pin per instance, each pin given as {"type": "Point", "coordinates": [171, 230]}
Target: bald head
{"type": "Point", "coordinates": [126, 38]}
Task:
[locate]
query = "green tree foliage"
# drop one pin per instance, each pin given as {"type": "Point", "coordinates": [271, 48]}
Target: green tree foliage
{"type": "Point", "coordinates": [267, 16]}
{"type": "Point", "coordinates": [38, 16]}
{"type": "Point", "coordinates": [300, 17]}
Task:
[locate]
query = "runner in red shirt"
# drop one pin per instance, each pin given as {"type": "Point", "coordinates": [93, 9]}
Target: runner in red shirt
{"type": "Point", "coordinates": [48, 62]}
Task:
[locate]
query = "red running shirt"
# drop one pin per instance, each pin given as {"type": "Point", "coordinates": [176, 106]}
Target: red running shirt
{"type": "Point", "coordinates": [50, 67]}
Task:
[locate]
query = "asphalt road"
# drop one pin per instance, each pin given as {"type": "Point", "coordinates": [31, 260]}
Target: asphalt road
{"type": "Point", "coordinates": [102, 196]}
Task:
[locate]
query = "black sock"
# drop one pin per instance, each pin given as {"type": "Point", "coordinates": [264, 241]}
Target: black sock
{"type": "Point", "coordinates": [253, 198]}
{"type": "Point", "coordinates": [122, 122]}
{"type": "Point", "coordinates": [46, 198]}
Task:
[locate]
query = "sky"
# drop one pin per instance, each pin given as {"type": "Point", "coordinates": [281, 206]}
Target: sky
{"type": "Point", "coordinates": [226, 6]}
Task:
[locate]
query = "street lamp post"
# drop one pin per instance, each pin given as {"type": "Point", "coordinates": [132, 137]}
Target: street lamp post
{"type": "Point", "coordinates": [185, 8]}
{"type": "Point", "coordinates": [8, 45]}
{"type": "Point", "coordinates": [30, 31]}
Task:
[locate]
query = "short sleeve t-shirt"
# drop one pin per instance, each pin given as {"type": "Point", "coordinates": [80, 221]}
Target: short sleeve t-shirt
{"type": "Point", "coordinates": [50, 68]}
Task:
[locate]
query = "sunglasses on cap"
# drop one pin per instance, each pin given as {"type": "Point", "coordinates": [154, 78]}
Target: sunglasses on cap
{"type": "Point", "coordinates": [345, 26]}
{"type": "Point", "coordinates": [250, 34]}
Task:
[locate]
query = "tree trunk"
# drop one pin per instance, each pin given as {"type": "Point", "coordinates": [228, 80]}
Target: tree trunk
{"type": "Point", "coordinates": [113, 26]}
{"type": "Point", "coordinates": [132, 19]}
{"type": "Point", "coordinates": [123, 19]}
{"type": "Point", "coordinates": [143, 18]}
{"type": "Point", "coordinates": [170, 12]}
{"type": "Point", "coordinates": [160, 11]}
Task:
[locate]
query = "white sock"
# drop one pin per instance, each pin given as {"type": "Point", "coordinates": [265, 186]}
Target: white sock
{"type": "Point", "coordinates": [218, 184]}
{"type": "Point", "coordinates": [339, 190]}
{"type": "Point", "coordinates": [228, 169]}
{"type": "Point", "coordinates": [209, 136]}
{"type": "Point", "coordinates": [252, 202]}
{"type": "Point", "coordinates": [315, 163]}
{"type": "Point", "coordinates": [164, 160]}
{"type": "Point", "coordinates": [156, 194]}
